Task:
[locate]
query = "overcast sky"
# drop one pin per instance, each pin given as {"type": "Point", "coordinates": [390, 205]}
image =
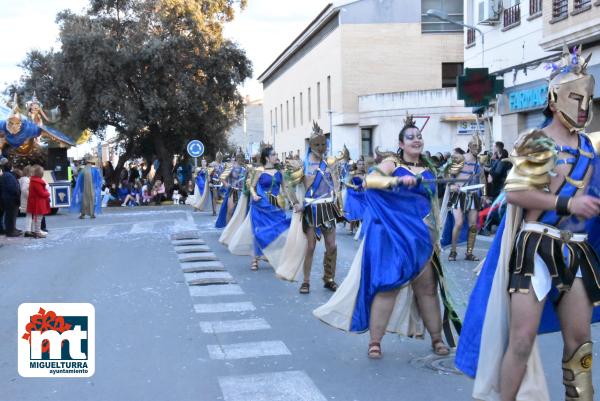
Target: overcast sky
{"type": "Point", "coordinates": [264, 29]}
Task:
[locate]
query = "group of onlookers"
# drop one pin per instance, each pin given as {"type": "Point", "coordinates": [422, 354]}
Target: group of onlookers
{"type": "Point", "coordinates": [141, 193]}
{"type": "Point", "coordinates": [23, 191]}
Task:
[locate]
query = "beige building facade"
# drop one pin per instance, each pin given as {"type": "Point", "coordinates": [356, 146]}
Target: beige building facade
{"type": "Point", "coordinates": [250, 131]}
{"type": "Point", "coordinates": [352, 49]}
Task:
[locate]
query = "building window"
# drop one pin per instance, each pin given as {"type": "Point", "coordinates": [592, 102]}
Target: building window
{"type": "Point", "coordinates": [294, 111]}
{"type": "Point", "coordinates": [301, 110]}
{"type": "Point", "coordinates": [560, 8]}
{"type": "Point", "coordinates": [512, 15]}
{"type": "Point", "coordinates": [287, 113]}
{"type": "Point", "coordinates": [450, 71]}
{"type": "Point", "coordinates": [318, 100]}
{"type": "Point", "coordinates": [276, 121]}
{"type": "Point", "coordinates": [581, 4]}
{"type": "Point", "coordinates": [535, 7]}
{"type": "Point", "coordinates": [366, 135]}
{"type": "Point", "coordinates": [454, 9]}
{"type": "Point", "coordinates": [309, 107]}
{"type": "Point", "coordinates": [281, 114]}
{"type": "Point", "coordinates": [471, 36]}
{"type": "Point", "coordinates": [329, 93]}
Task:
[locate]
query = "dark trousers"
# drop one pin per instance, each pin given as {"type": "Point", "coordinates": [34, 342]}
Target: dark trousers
{"type": "Point", "coordinates": [10, 218]}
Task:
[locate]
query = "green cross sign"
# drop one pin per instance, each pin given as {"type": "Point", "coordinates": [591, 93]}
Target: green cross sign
{"type": "Point", "coordinates": [477, 87]}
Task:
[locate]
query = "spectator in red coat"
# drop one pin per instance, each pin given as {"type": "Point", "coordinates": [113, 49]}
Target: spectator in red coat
{"type": "Point", "coordinates": [38, 203]}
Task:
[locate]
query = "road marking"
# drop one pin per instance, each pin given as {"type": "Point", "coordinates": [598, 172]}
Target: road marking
{"type": "Point", "coordinates": [231, 326]}
{"type": "Point", "coordinates": [215, 290]}
{"type": "Point", "coordinates": [182, 242]}
{"type": "Point", "coordinates": [192, 249]}
{"type": "Point", "coordinates": [247, 350]}
{"type": "Point", "coordinates": [196, 257]}
{"type": "Point", "coordinates": [142, 228]}
{"type": "Point", "coordinates": [59, 234]}
{"type": "Point", "coordinates": [293, 385]}
{"type": "Point", "coordinates": [225, 307]}
{"type": "Point", "coordinates": [97, 232]}
{"type": "Point", "coordinates": [199, 276]}
{"type": "Point", "coordinates": [211, 265]}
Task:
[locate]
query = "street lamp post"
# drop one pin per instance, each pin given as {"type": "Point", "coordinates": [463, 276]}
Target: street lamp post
{"type": "Point", "coordinates": [330, 112]}
{"type": "Point", "coordinates": [444, 17]}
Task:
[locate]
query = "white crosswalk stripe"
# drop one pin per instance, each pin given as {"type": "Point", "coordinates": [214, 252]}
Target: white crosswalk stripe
{"type": "Point", "coordinates": [97, 232]}
{"type": "Point", "coordinates": [142, 228]}
{"type": "Point", "coordinates": [215, 290]}
{"type": "Point", "coordinates": [247, 350]}
{"type": "Point", "coordinates": [225, 307]}
{"type": "Point", "coordinates": [275, 386]}
{"type": "Point", "coordinates": [231, 326]}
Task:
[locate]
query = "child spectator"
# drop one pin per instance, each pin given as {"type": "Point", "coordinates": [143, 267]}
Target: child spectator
{"type": "Point", "coordinates": [24, 183]}
{"type": "Point", "coordinates": [38, 202]}
{"type": "Point", "coordinates": [158, 192]}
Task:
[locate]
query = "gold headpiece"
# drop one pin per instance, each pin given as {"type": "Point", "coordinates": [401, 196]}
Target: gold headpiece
{"type": "Point", "coordinates": [409, 121]}
{"type": "Point", "coordinates": [475, 144]}
{"type": "Point", "coordinates": [344, 154]}
{"type": "Point", "coordinates": [571, 89]}
{"type": "Point", "coordinates": [219, 156]}
{"type": "Point", "coordinates": [316, 131]}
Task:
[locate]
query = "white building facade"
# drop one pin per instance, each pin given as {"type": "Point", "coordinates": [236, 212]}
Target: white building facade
{"type": "Point", "coordinates": [517, 49]}
{"type": "Point", "coordinates": [352, 49]}
{"type": "Point", "coordinates": [249, 132]}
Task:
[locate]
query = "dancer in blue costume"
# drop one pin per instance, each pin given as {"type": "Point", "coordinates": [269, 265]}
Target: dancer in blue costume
{"type": "Point", "coordinates": [467, 204]}
{"type": "Point", "coordinates": [354, 206]}
{"type": "Point", "coordinates": [267, 212]}
{"type": "Point", "coordinates": [215, 185]}
{"type": "Point", "coordinates": [541, 273]}
{"type": "Point", "coordinates": [321, 209]}
{"type": "Point", "coordinates": [86, 194]}
{"type": "Point", "coordinates": [201, 189]}
{"type": "Point", "coordinates": [232, 179]}
{"type": "Point", "coordinates": [393, 283]}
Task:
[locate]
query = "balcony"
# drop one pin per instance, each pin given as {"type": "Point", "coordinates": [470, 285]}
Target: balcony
{"type": "Point", "coordinates": [512, 16]}
{"type": "Point", "coordinates": [560, 10]}
{"type": "Point", "coordinates": [535, 8]}
{"type": "Point", "coordinates": [470, 37]}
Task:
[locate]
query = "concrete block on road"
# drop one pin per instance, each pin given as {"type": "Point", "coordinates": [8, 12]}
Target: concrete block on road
{"type": "Point", "coordinates": [207, 266]}
{"type": "Point", "coordinates": [183, 242]}
{"type": "Point", "coordinates": [277, 386]}
{"type": "Point", "coordinates": [196, 257]}
{"type": "Point", "coordinates": [192, 248]}
{"type": "Point", "coordinates": [247, 350]}
{"type": "Point", "coordinates": [191, 234]}
{"type": "Point", "coordinates": [207, 275]}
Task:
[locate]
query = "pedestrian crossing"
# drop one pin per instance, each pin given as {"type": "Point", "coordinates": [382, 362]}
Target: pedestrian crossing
{"type": "Point", "coordinates": [207, 281]}
{"type": "Point", "coordinates": [118, 230]}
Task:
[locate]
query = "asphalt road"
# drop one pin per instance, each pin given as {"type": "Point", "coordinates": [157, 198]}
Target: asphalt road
{"type": "Point", "coordinates": [158, 338]}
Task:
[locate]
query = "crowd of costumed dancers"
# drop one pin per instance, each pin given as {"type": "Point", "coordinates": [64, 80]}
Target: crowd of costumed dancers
{"type": "Point", "coordinates": [540, 275]}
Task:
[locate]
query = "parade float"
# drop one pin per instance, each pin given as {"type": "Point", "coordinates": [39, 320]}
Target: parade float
{"type": "Point", "coordinates": [27, 140]}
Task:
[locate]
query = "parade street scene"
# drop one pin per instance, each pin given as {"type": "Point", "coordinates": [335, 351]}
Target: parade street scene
{"type": "Point", "coordinates": [325, 200]}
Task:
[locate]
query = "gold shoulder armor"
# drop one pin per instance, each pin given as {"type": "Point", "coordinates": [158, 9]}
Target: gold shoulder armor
{"type": "Point", "coordinates": [226, 172]}
{"type": "Point", "coordinates": [533, 158]}
{"type": "Point", "coordinates": [331, 161]}
{"type": "Point", "coordinates": [392, 158]}
{"type": "Point", "coordinates": [595, 138]}
{"type": "Point", "coordinates": [294, 172]}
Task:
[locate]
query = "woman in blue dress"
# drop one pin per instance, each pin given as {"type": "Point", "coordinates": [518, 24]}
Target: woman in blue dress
{"type": "Point", "coordinates": [393, 283]}
{"type": "Point", "coordinates": [267, 213]}
{"type": "Point", "coordinates": [354, 207]}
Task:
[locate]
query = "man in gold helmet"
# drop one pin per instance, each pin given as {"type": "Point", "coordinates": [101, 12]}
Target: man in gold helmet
{"type": "Point", "coordinates": [545, 255]}
{"type": "Point", "coordinates": [467, 203]}
{"type": "Point", "coordinates": [320, 209]}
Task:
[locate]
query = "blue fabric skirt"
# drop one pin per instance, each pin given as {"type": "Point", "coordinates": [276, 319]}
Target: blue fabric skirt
{"type": "Point", "coordinates": [268, 223]}
{"type": "Point", "coordinates": [397, 247]}
{"type": "Point", "coordinates": [354, 207]}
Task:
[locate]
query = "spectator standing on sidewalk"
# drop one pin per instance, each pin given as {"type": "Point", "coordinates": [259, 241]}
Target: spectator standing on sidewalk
{"type": "Point", "coordinates": [38, 201]}
{"type": "Point", "coordinates": [10, 197]}
{"type": "Point", "coordinates": [24, 184]}
{"type": "Point", "coordinates": [498, 169]}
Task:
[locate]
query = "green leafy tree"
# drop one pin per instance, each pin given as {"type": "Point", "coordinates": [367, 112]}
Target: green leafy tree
{"type": "Point", "coordinates": [159, 71]}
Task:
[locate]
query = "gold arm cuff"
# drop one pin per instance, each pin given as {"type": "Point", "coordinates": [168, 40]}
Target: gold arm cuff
{"type": "Point", "coordinates": [379, 181]}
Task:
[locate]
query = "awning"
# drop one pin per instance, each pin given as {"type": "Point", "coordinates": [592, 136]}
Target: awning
{"type": "Point", "coordinates": [448, 119]}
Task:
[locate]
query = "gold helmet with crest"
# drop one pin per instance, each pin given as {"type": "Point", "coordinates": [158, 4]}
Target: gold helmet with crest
{"type": "Point", "coordinates": [219, 156]}
{"type": "Point", "coordinates": [571, 90]}
{"type": "Point", "coordinates": [475, 144]}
